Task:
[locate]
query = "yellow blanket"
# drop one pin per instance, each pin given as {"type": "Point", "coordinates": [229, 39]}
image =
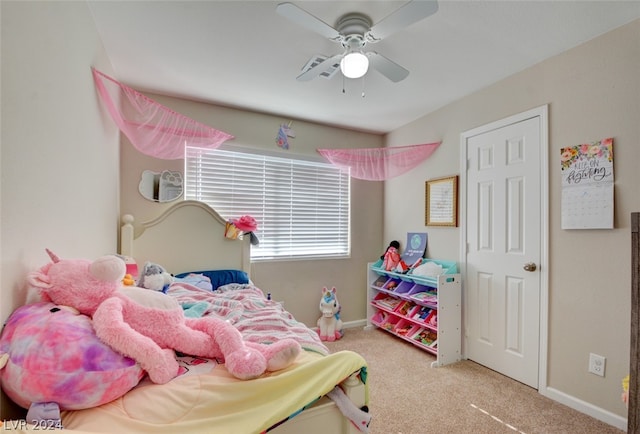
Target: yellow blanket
{"type": "Point", "coordinates": [215, 402]}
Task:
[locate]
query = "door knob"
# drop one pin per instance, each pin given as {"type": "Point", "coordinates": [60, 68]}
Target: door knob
{"type": "Point", "coordinates": [530, 266]}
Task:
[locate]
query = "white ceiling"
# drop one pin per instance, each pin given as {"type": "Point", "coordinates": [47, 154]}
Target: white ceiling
{"type": "Point", "coordinates": [243, 54]}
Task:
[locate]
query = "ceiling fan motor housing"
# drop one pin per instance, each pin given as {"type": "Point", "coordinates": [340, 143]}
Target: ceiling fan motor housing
{"type": "Point", "coordinates": [353, 31]}
{"type": "Point", "coordinates": [352, 28]}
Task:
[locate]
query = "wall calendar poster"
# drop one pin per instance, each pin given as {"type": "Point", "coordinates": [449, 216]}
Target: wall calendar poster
{"type": "Point", "coordinates": [587, 185]}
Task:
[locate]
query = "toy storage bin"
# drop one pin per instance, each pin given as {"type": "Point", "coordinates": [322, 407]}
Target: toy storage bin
{"type": "Point", "coordinates": [379, 318]}
{"type": "Point", "coordinates": [403, 308]}
{"type": "Point", "coordinates": [420, 313]}
{"type": "Point", "coordinates": [385, 301]}
{"type": "Point", "coordinates": [425, 336]}
{"type": "Point", "coordinates": [426, 298]}
{"type": "Point", "coordinates": [403, 327]}
{"type": "Point", "coordinates": [418, 287]}
{"type": "Point", "coordinates": [390, 322]}
{"type": "Point", "coordinates": [392, 284]}
{"type": "Point", "coordinates": [404, 288]}
{"type": "Point", "coordinates": [380, 281]}
{"type": "Point", "coordinates": [377, 267]}
{"type": "Point", "coordinates": [431, 321]}
{"type": "Point", "coordinates": [448, 267]}
{"type": "Point", "coordinates": [414, 310]}
{"type": "Point", "coordinates": [412, 332]}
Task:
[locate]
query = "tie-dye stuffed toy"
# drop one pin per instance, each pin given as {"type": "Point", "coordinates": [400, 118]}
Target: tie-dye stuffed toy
{"type": "Point", "coordinates": [51, 354]}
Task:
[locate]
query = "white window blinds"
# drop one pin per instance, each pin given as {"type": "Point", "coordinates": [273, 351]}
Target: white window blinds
{"type": "Point", "coordinates": [302, 207]}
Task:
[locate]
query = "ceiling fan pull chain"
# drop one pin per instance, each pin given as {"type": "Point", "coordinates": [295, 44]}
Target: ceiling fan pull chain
{"type": "Point", "coordinates": [343, 91]}
{"type": "Point", "coordinates": [363, 86]}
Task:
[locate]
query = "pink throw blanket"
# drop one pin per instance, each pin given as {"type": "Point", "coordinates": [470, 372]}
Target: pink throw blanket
{"type": "Point", "coordinates": [245, 306]}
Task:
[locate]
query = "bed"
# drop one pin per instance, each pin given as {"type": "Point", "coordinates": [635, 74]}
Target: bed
{"type": "Point", "coordinates": [189, 236]}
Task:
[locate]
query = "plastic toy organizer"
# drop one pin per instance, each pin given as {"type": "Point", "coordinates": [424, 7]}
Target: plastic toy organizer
{"type": "Point", "coordinates": [410, 307]}
{"type": "Point", "coordinates": [411, 312]}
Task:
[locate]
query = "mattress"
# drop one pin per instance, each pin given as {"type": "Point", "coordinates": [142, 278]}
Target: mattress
{"type": "Point", "coordinates": [207, 399]}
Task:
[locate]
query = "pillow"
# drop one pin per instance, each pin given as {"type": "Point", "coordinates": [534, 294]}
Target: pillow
{"type": "Point", "coordinates": [198, 280]}
{"type": "Point", "coordinates": [221, 277]}
{"type": "Point", "coordinates": [53, 355]}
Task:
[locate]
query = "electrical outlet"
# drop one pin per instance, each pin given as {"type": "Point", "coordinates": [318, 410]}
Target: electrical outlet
{"type": "Point", "coordinates": [596, 364]}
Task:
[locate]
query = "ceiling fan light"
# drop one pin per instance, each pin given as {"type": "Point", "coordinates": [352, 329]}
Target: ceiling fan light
{"type": "Point", "coordinates": [354, 64]}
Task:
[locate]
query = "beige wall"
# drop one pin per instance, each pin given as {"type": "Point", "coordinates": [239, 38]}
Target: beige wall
{"type": "Point", "coordinates": [297, 283]}
{"type": "Point", "coordinates": [59, 154]}
{"type": "Point", "coordinates": [593, 92]}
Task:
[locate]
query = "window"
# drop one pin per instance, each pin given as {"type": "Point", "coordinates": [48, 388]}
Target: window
{"type": "Point", "coordinates": [302, 207]}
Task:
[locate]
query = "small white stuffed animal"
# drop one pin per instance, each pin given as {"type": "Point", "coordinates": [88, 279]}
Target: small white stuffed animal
{"type": "Point", "coordinates": [154, 277]}
{"type": "Point", "coordinates": [329, 324]}
{"type": "Point", "coordinates": [428, 269]}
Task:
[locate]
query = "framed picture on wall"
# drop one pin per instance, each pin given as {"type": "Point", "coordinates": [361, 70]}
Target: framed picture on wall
{"type": "Point", "coordinates": [441, 202]}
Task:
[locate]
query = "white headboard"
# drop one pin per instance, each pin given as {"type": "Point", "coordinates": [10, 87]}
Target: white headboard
{"type": "Point", "coordinates": [189, 236]}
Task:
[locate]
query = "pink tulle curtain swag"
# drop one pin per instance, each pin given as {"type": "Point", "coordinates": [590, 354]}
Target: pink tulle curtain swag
{"type": "Point", "coordinates": [379, 164]}
{"type": "Point", "coordinates": [152, 128]}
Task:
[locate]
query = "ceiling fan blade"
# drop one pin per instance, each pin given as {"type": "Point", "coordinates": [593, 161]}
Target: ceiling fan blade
{"type": "Point", "coordinates": [305, 19]}
{"type": "Point", "coordinates": [386, 67]}
{"type": "Point", "coordinates": [321, 67]}
{"type": "Point", "coordinates": [406, 15]}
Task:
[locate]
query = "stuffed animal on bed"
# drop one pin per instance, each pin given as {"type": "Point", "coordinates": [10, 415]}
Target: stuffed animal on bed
{"type": "Point", "coordinates": [155, 277]}
{"type": "Point", "coordinates": [50, 357]}
{"type": "Point", "coordinates": [148, 325]}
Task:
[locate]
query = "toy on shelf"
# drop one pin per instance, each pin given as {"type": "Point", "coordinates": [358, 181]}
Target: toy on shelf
{"type": "Point", "coordinates": [329, 324]}
{"type": "Point", "coordinates": [391, 257]}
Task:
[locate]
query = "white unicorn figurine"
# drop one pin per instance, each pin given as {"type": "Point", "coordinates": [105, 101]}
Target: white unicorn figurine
{"type": "Point", "coordinates": [329, 324]}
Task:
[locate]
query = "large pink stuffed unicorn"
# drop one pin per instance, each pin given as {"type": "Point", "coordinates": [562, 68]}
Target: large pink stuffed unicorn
{"type": "Point", "coordinates": [147, 325]}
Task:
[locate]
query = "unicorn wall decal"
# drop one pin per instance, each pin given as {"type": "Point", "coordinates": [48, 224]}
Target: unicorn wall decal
{"type": "Point", "coordinates": [329, 324]}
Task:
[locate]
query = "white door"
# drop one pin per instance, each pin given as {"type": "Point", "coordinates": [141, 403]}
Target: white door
{"type": "Point", "coordinates": [502, 250]}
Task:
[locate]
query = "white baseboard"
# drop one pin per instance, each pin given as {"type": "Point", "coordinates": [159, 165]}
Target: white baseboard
{"type": "Point", "coordinates": [349, 324]}
{"type": "Point", "coordinates": [354, 324]}
{"type": "Point", "coordinates": [586, 408]}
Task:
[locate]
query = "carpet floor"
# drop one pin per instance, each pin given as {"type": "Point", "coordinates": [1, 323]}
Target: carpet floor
{"type": "Point", "coordinates": [407, 396]}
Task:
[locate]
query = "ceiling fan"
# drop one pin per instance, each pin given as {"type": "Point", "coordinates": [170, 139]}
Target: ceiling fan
{"type": "Point", "coordinates": [353, 32]}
